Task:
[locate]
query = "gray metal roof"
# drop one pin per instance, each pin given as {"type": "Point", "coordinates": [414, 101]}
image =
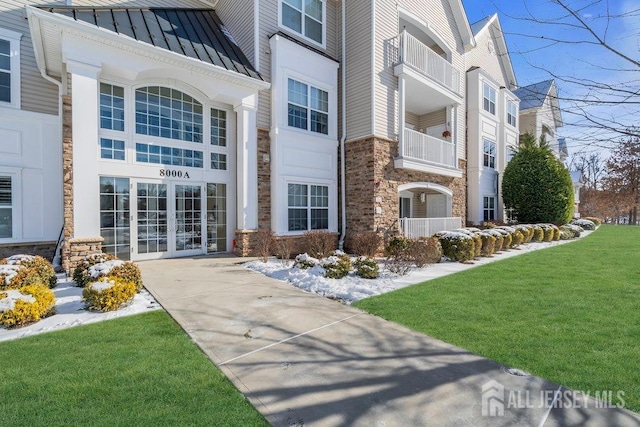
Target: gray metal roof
{"type": "Point", "coordinates": [195, 33]}
{"type": "Point", "coordinates": [477, 26]}
{"type": "Point", "coordinates": [533, 96]}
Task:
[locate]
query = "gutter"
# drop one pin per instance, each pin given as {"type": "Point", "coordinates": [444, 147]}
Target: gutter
{"type": "Point", "coordinates": [343, 185]}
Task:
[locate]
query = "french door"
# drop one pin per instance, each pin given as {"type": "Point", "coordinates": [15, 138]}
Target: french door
{"type": "Point", "coordinates": [168, 220]}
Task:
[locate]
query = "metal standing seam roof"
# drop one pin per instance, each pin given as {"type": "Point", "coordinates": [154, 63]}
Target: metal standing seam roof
{"type": "Point", "coordinates": [533, 96]}
{"type": "Point", "coordinates": [194, 33]}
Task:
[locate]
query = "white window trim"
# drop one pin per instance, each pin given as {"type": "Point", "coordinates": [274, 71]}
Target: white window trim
{"type": "Point", "coordinates": [283, 220]}
{"type": "Point", "coordinates": [309, 207]}
{"type": "Point", "coordinates": [14, 39]}
{"type": "Point", "coordinates": [291, 31]}
{"type": "Point", "coordinates": [511, 102]}
{"type": "Point", "coordinates": [332, 117]}
{"type": "Point", "coordinates": [495, 207]}
{"type": "Point", "coordinates": [495, 154]}
{"type": "Point", "coordinates": [16, 203]}
{"type": "Point", "coordinates": [495, 101]}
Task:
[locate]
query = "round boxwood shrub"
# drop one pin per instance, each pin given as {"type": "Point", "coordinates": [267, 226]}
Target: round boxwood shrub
{"type": "Point", "coordinates": [336, 267]}
{"type": "Point", "coordinates": [305, 261]}
{"type": "Point", "coordinates": [7, 274]}
{"type": "Point", "coordinates": [573, 229]}
{"type": "Point", "coordinates": [40, 270]}
{"type": "Point", "coordinates": [488, 244]}
{"type": "Point", "coordinates": [129, 272]}
{"type": "Point", "coordinates": [566, 234]}
{"type": "Point", "coordinates": [498, 236]}
{"type": "Point", "coordinates": [425, 250]}
{"type": "Point", "coordinates": [517, 238]}
{"type": "Point", "coordinates": [458, 246]}
{"type": "Point", "coordinates": [538, 234]}
{"type": "Point", "coordinates": [547, 231]}
{"type": "Point", "coordinates": [27, 305]}
{"type": "Point", "coordinates": [506, 238]}
{"type": "Point", "coordinates": [585, 224]}
{"type": "Point", "coordinates": [366, 267]}
{"type": "Point", "coordinates": [593, 219]}
{"type": "Point", "coordinates": [108, 294]}
{"type": "Point", "coordinates": [80, 275]}
{"type": "Point", "coordinates": [527, 232]}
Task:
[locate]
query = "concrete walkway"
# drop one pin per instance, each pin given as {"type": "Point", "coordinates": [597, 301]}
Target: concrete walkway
{"type": "Point", "coordinates": [305, 360]}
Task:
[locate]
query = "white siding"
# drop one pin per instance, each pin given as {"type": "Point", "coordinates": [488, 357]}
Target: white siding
{"type": "Point", "coordinates": [359, 62]}
{"type": "Point", "coordinates": [481, 57]}
{"type": "Point", "coordinates": [440, 17]}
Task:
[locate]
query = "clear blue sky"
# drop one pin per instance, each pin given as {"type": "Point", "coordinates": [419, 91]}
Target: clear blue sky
{"type": "Point", "coordinates": [536, 55]}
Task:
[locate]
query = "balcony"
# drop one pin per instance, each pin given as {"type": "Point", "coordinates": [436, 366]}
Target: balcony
{"type": "Point", "coordinates": [417, 58]}
{"type": "Point", "coordinates": [426, 153]}
{"type": "Point", "coordinates": [427, 227]}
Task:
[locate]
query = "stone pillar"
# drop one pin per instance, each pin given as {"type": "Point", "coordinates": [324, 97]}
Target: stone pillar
{"type": "Point", "coordinates": [80, 248]}
{"type": "Point", "coordinates": [67, 173]}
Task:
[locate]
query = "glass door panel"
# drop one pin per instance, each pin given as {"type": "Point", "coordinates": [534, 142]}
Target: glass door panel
{"type": "Point", "coordinates": [188, 217]}
{"type": "Point", "coordinates": [152, 218]}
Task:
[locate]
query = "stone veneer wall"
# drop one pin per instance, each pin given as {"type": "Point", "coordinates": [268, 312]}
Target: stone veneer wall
{"type": "Point", "coordinates": [73, 249]}
{"type": "Point", "coordinates": [264, 180]}
{"type": "Point", "coordinates": [372, 182]}
{"type": "Point", "coordinates": [43, 249]}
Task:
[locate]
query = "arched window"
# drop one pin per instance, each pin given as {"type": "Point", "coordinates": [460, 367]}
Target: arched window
{"type": "Point", "coordinates": [168, 113]}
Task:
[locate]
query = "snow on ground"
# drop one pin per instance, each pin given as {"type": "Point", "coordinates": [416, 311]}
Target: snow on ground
{"type": "Point", "coordinates": [353, 288]}
{"type": "Point", "coordinates": [70, 311]}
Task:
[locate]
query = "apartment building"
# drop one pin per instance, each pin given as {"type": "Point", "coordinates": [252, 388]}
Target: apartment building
{"type": "Point", "coordinates": [492, 120]}
{"type": "Point", "coordinates": [178, 128]}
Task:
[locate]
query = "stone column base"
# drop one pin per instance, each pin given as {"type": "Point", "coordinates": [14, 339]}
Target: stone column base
{"type": "Point", "coordinates": [77, 248]}
{"type": "Point", "coordinates": [244, 242]}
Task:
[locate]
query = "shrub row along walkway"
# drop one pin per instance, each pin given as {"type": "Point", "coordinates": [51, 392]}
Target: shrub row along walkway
{"type": "Point", "coordinates": [305, 360]}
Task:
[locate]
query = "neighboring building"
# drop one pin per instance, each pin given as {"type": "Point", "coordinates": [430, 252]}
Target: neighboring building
{"type": "Point", "coordinates": [540, 113]}
{"type": "Point", "coordinates": [578, 182]}
{"type": "Point", "coordinates": [492, 120]}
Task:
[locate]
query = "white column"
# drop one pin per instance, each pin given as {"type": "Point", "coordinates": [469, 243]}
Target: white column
{"type": "Point", "coordinates": [401, 114]}
{"type": "Point", "coordinates": [453, 117]}
{"type": "Point", "coordinates": [84, 115]}
{"type": "Point", "coordinates": [247, 167]}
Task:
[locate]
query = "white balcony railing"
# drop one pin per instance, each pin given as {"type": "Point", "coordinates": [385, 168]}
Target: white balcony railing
{"type": "Point", "coordinates": [423, 147]}
{"type": "Point", "coordinates": [427, 227]}
{"type": "Point", "coordinates": [428, 62]}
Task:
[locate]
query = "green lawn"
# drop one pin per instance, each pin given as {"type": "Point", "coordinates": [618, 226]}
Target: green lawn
{"type": "Point", "coordinates": [135, 371]}
{"type": "Point", "coordinates": [570, 314]}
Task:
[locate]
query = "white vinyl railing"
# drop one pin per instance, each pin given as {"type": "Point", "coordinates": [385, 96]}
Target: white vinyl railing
{"type": "Point", "coordinates": [421, 146]}
{"type": "Point", "coordinates": [428, 62]}
{"type": "Point", "coordinates": [427, 227]}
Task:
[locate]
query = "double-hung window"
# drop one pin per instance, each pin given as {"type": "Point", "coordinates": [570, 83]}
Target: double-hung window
{"type": "Point", "coordinates": [489, 210]}
{"type": "Point", "coordinates": [489, 99]}
{"type": "Point", "coordinates": [489, 154]}
{"type": "Point", "coordinates": [512, 113]}
{"type": "Point", "coordinates": [10, 67]}
{"type": "Point", "coordinates": [308, 207]}
{"type": "Point", "coordinates": [305, 17]}
{"type": "Point", "coordinates": [112, 144]}
{"type": "Point", "coordinates": [6, 208]}
{"type": "Point", "coordinates": [308, 107]}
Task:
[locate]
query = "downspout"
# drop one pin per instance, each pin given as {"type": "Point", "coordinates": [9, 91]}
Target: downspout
{"type": "Point", "coordinates": [343, 185]}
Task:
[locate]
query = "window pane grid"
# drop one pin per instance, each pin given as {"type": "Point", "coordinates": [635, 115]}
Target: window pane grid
{"type": "Point", "coordinates": [5, 70]}
{"type": "Point", "coordinates": [114, 216]}
{"type": "Point", "coordinates": [6, 208]}
{"type": "Point", "coordinates": [111, 107]}
{"type": "Point", "coordinates": [218, 127]}
{"type": "Point", "coordinates": [170, 156]}
{"type": "Point", "coordinates": [489, 154]}
{"type": "Point", "coordinates": [308, 207]}
{"type": "Point", "coordinates": [188, 217]}
{"type": "Point", "coordinates": [111, 149]}
{"type": "Point", "coordinates": [218, 161]}
{"type": "Point", "coordinates": [152, 218]}
{"type": "Point", "coordinates": [216, 217]}
{"type": "Point", "coordinates": [305, 17]}
{"type": "Point", "coordinates": [168, 113]}
{"type": "Point", "coordinates": [308, 107]}
{"type": "Point", "coordinates": [489, 99]}
{"type": "Point", "coordinates": [489, 210]}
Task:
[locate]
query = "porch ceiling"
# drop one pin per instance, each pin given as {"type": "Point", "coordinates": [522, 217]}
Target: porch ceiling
{"type": "Point", "coordinates": [424, 96]}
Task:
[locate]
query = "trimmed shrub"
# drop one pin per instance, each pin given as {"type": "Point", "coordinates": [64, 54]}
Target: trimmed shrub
{"type": "Point", "coordinates": [425, 250]}
{"type": "Point", "coordinates": [548, 232]}
{"type": "Point", "coordinates": [40, 270]}
{"type": "Point", "coordinates": [365, 243]}
{"type": "Point", "coordinates": [79, 273]}
{"type": "Point", "coordinates": [366, 267]}
{"type": "Point", "coordinates": [108, 294]}
{"type": "Point", "coordinates": [566, 234]}
{"type": "Point", "coordinates": [585, 224]}
{"type": "Point", "coordinates": [575, 230]}
{"type": "Point", "coordinates": [337, 265]}
{"type": "Point", "coordinates": [458, 246]}
{"type": "Point", "coordinates": [556, 233]}
{"type": "Point", "coordinates": [527, 232]}
{"type": "Point", "coordinates": [129, 272]}
{"type": "Point", "coordinates": [517, 238]}
{"type": "Point", "coordinates": [284, 249]}
{"type": "Point", "coordinates": [28, 305]}
{"type": "Point", "coordinates": [593, 219]}
{"type": "Point", "coordinates": [319, 243]}
{"type": "Point", "coordinates": [499, 239]}
{"type": "Point", "coordinates": [506, 238]}
{"type": "Point", "coordinates": [538, 234]}
{"type": "Point", "coordinates": [488, 244]}
{"type": "Point", "coordinates": [304, 261]}
{"type": "Point", "coordinates": [7, 274]}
